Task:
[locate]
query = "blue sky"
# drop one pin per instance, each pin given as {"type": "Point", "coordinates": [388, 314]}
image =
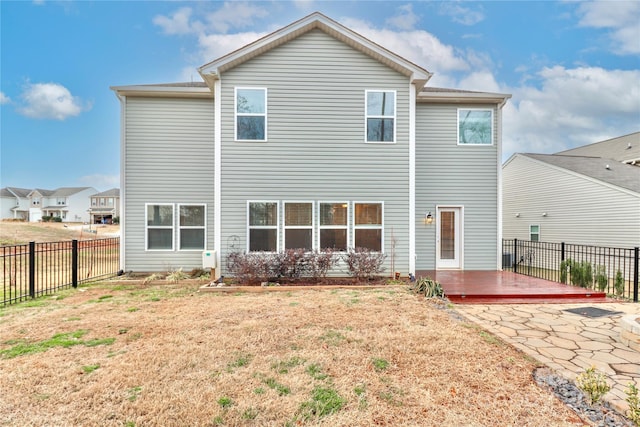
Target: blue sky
{"type": "Point", "coordinates": [573, 68]}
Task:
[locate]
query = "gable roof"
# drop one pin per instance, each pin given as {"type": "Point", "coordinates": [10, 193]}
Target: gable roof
{"type": "Point", "coordinates": [443, 95]}
{"type": "Point", "coordinates": [14, 192]}
{"type": "Point", "coordinates": [625, 149]}
{"type": "Point", "coordinates": [114, 192]}
{"type": "Point", "coordinates": [602, 169]}
{"type": "Point", "coordinates": [212, 71]}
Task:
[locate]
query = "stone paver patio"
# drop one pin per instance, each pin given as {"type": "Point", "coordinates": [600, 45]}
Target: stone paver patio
{"type": "Point", "coordinates": [566, 342]}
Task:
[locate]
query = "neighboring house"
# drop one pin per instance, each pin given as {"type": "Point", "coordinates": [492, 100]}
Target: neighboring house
{"type": "Point", "coordinates": [624, 149]}
{"type": "Point", "coordinates": [572, 198]}
{"type": "Point", "coordinates": [105, 206]}
{"type": "Point", "coordinates": [14, 203]}
{"type": "Point", "coordinates": [71, 204]}
{"type": "Point", "coordinates": [311, 137]}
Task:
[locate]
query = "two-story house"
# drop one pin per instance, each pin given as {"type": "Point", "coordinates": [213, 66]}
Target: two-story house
{"type": "Point", "coordinates": [105, 207]}
{"type": "Point", "coordinates": [70, 204]}
{"type": "Point", "coordinates": [311, 137]}
{"type": "Point", "coordinates": [14, 203]}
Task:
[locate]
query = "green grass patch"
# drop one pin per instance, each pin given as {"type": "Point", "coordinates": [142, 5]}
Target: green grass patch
{"type": "Point", "coordinates": [491, 339]}
{"type": "Point", "coordinates": [240, 361]}
{"type": "Point", "coordinates": [259, 390]}
{"type": "Point", "coordinates": [281, 389]}
{"type": "Point", "coordinates": [249, 414]}
{"type": "Point", "coordinates": [380, 364]}
{"type": "Point", "coordinates": [324, 401]}
{"type": "Point", "coordinates": [315, 371]}
{"type": "Point", "coordinates": [283, 367]}
{"type": "Point", "coordinates": [134, 393]}
{"type": "Point", "coordinates": [66, 340]}
{"type": "Point", "coordinates": [225, 402]}
{"type": "Point", "coordinates": [333, 338]}
{"type": "Point", "coordinates": [87, 369]}
{"type": "Point", "coordinates": [132, 309]}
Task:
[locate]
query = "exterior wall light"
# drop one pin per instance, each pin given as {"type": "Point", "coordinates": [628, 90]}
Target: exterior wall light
{"type": "Point", "coordinates": [428, 218]}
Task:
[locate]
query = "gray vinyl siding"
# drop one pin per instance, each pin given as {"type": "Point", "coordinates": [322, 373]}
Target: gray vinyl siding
{"type": "Point", "coordinates": [579, 210]}
{"type": "Point", "coordinates": [316, 132]}
{"type": "Point", "coordinates": [169, 158]}
{"type": "Point", "coordinates": [456, 175]}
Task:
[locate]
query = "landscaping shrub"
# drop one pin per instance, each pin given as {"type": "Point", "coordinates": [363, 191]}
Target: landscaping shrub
{"type": "Point", "coordinates": [290, 264]}
{"type": "Point", "coordinates": [593, 383]}
{"type": "Point", "coordinates": [601, 278]}
{"type": "Point", "coordinates": [46, 218]}
{"type": "Point", "coordinates": [580, 273]}
{"type": "Point", "coordinates": [319, 263]}
{"type": "Point", "coordinates": [428, 287]}
{"type": "Point", "coordinates": [252, 268]}
{"type": "Point", "coordinates": [56, 219]}
{"type": "Point", "coordinates": [618, 283]}
{"type": "Point", "coordinates": [364, 263]}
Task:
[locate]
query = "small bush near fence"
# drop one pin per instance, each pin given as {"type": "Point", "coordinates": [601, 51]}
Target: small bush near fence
{"type": "Point", "coordinates": [256, 267]}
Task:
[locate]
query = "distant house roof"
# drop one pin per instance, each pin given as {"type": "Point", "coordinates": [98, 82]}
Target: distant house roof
{"type": "Point", "coordinates": [625, 149]}
{"type": "Point", "coordinates": [114, 192]}
{"type": "Point", "coordinates": [14, 192]}
{"type": "Point", "coordinates": [67, 191]}
{"type": "Point", "coordinates": [602, 169]}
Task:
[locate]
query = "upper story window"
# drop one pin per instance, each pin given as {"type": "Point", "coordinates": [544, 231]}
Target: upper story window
{"type": "Point", "coordinates": [102, 201]}
{"type": "Point", "coordinates": [333, 226]}
{"type": "Point", "coordinates": [367, 226]}
{"type": "Point", "coordinates": [94, 201]}
{"type": "Point", "coordinates": [251, 114]}
{"type": "Point", "coordinates": [36, 201]}
{"type": "Point", "coordinates": [475, 126]}
{"type": "Point", "coordinates": [380, 116]}
{"type": "Point", "coordinates": [110, 201]}
{"type": "Point", "coordinates": [298, 225]}
{"type": "Point", "coordinates": [159, 227]}
{"type": "Point", "coordinates": [263, 226]}
{"type": "Point", "coordinates": [61, 201]}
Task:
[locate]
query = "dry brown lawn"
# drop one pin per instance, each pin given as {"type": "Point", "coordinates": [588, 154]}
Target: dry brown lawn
{"type": "Point", "coordinates": [179, 357]}
{"type": "Point", "coordinates": [16, 232]}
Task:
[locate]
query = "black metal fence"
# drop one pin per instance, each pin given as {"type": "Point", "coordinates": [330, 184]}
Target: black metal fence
{"type": "Point", "coordinates": [35, 269]}
{"type": "Point", "coordinates": [612, 270]}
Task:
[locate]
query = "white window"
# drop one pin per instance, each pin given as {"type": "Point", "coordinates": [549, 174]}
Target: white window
{"type": "Point", "coordinates": [102, 201]}
{"type": "Point", "coordinates": [263, 226]}
{"type": "Point", "coordinates": [367, 225]}
{"type": "Point", "coordinates": [251, 114]}
{"type": "Point", "coordinates": [110, 201]}
{"type": "Point", "coordinates": [333, 225]}
{"type": "Point", "coordinates": [159, 226]}
{"type": "Point", "coordinates": [534, 233]}
{"type": "Point", "coordinates": [298, 225]}
{"type": "Point", "coordinates": [475, 126]}
{"type": "Point", "coordinates": [380, 116]}
{"type": "Point", "coordinates": [192, 230]}
{"type": "Point", "coordinates": [61, 201]}
{"type": "Point", "coordinates": [36, 201]}
{"type": "Point", "coordinates": [94, 202]}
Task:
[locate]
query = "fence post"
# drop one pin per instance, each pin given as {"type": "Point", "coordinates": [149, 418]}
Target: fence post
{"type": "Point", "coordinates": [74, 263]}
{"type": "Point", "coordinates": [636, 252]}
{"type": "Point", "coordinates": [32, 269]}
{"type": "Point", "coordinates": [562, 251]}
{"type": "Point", "coordinates": [515, 255]}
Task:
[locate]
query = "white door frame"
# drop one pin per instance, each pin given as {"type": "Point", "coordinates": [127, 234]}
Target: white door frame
{"type": "Point", "coordinates": [458, 262]}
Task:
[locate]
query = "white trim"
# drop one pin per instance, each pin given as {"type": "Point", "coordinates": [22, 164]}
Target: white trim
{"type": "Point", "coordinates": [179, 228]}
{"type": "Point", "coordinates": [236, 114]}
{"type": "Point", "coordinates": [160, 227]}
{"type": "Point", "coordinates": [263, 227]}
{"type": "Point", "coordinates": [499, 189]}
{"type": "Point", "coordinates": [286, 227]}
{"type": "Point", "coordinates": [123, 187]}
{"type": "Point", "coordinates": [412, 179]}
{"type": "Point", "coordinates": [458, 127]}
{"type": "Point", "coordinates": [217, 173]}
{"type": "Point", "coordinates": [367, 226]}
{"type": "Point", "coordinates": [333, 226]}
{"type": "Point", "coordinates": [367, 116]}
{"type": "Point", "coordinates": [460, 237]}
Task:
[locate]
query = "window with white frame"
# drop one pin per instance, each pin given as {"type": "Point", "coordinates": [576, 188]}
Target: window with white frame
{"type": "Point", "coordinates": [475, 126]}
{"type": "Point", "coordinates": [380, 116]}
{"type": "Point", "coordinates": [298, 225]}
{"type": "Point", "coordinates": [192, 227]}
{"type": "Point", "coordinates": [534, 233]}
{"type": "Point", "coordinates": [333, 226]}
{"type": "Point", "coordinates": [159, 226]}
{"type": "Point", "coordinates": [367, 225]}
{"type": "Point", "coordinates": [263, 226]}
{"type": "Point", "coordinates": [94, 201]}
{"type": "Point", "coordinates": [251, 114]}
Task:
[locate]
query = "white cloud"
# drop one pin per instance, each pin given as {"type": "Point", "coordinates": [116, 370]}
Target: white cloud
{"type": "Point", "coordinates": [216, 45]}
{"type": "Point", "coordinates": [620, 17]}
{"type": "Point", "coordinates": [50, 101]}
{"type": "Point", "coordinates": [404, 19]}
{"type": "Point", "coordinates": [4, 99]}
{"type": "Point", "coordinates": [571, 107]}
{"type": "Point", "coordinates": [99, 181]}
{"type": "Point", "coordinates": [461, 14]}
{"type": "Point", "coordinates": [179, 22]}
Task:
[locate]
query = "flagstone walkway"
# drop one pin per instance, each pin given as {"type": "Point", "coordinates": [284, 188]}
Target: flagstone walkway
{"type": "Point", "coordinates": [567, 342]}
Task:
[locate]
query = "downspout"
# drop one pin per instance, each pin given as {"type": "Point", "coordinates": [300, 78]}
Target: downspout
{"type": "Point", "coordinates": [499, 186]}
{"type": "Point", "coordinates": [412, 178]}
{"type": "Point", "coordinates": [123, 188]}
{"type": "Point", "coordinates": [217, 173]}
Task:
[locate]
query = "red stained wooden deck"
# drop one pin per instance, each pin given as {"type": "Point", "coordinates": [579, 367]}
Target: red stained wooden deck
{"type": "Point", "coordinates": [506, 287]}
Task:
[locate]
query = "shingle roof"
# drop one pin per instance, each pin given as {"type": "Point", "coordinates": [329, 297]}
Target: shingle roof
{"type": "Point", "coordinates": [618, 174]}
{"type": "Point", "coordinates": [14, 191]}
{"type": "Point", "coordinates": [67, 191]}
{"type": "Point", "coordinates": [114, 192]}
{"type": "Point", "coordinates": [622, 149]}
